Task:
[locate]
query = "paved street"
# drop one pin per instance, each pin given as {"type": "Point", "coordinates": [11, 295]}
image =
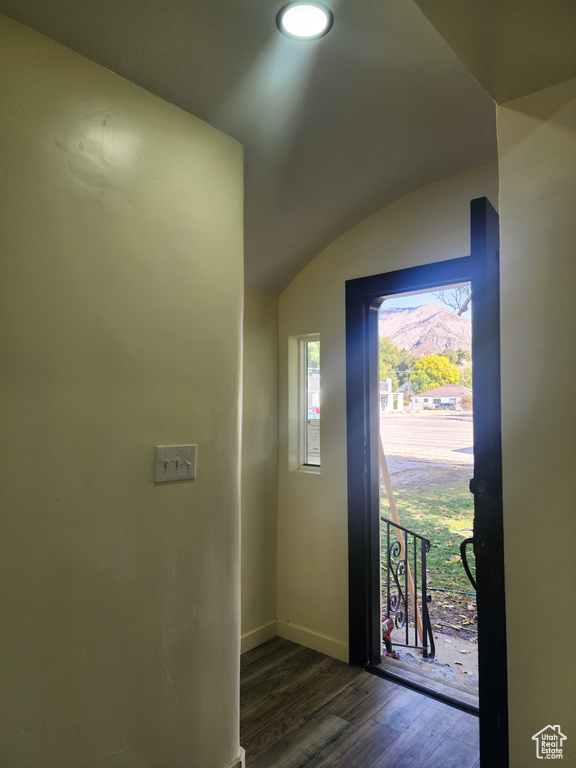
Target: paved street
{"type": "Point", "coordinates": [429, 435]}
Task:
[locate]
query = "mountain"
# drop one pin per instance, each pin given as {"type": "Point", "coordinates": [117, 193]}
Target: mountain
{"type": "Point", "coordinates": [425, 330]}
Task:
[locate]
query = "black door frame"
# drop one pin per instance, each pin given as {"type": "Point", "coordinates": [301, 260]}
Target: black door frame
{"type": "Point", "coordinates": [363, 297]}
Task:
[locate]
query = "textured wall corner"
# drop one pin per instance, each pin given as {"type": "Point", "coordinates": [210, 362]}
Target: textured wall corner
{"type": "Point", "coordinates": [240, 761]}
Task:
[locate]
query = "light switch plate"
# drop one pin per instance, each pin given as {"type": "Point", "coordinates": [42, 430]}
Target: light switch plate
{"type": "Point", "coordinates": [175, 463]}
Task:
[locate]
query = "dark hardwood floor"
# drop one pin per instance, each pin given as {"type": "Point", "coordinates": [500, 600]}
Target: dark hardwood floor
{"type": "Point", "coordinates": [300, 708]}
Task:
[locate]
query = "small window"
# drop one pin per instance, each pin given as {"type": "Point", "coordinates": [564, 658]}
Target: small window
{"type": "Point", "coordinates": [310, 401]}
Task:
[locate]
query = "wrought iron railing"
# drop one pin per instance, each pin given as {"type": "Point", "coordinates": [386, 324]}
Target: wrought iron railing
{"type": "Point", "coordinates": [404, 596]}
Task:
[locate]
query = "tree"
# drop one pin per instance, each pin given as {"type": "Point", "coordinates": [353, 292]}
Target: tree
{"type": "Point", "coordinates": [405, 366]}
{"type": "Point", "coordinates": [456, 298]}
{"type": "Point", "coordinates": [313, 353]}
{"type": "Point", "coordinates": [466, 375]}
{"type": "Point", "coordinates": [463, 356]}
{"type": "Point", "coordinates": [390, 354]}
{"type": "Point", "coordinates": [434, 371]}
{"type": "Point", "coordinates": [450, 355]}
{"type": "Point", "coordinates": [395, 363]}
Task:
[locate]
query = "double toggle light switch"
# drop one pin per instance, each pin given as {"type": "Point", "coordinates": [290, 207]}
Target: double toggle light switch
{"type": "Point", "coordinates": [174, 463]}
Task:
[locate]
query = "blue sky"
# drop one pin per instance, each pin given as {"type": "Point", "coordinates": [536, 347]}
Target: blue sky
{"type": "Point", "coordinates": [416, 300]}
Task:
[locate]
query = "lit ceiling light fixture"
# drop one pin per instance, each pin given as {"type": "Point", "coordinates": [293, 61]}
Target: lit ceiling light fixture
{"type": "Point", "coordinates": [304, 20]}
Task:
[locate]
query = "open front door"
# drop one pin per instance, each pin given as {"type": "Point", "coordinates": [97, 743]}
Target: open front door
{"type": "Point", "coordinates": [487, 485]}
{"type": "Point", "coordinates": [363, 297]}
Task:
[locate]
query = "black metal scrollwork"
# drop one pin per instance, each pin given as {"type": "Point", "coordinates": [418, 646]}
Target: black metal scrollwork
{"type": "Point", "coordinates": [397, 603]}
{"type": "Point", "coordinates": [405, 555]}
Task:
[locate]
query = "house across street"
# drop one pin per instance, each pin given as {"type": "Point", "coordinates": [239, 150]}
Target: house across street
{"type": "Point", "coordinates": [447, 396]}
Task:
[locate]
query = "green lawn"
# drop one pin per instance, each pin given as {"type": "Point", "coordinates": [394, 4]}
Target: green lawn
{"type": "Point", "coordinates": [443, 513]}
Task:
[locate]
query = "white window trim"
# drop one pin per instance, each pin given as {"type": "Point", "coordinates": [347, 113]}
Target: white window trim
{"type": "Point", "coordinates": [298, 404]}
{"type": "Point", "coordinates": [304, 403]}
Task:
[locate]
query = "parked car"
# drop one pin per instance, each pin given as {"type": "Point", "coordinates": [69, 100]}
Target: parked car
{"type": "Point", "coordinates": [445, 406]}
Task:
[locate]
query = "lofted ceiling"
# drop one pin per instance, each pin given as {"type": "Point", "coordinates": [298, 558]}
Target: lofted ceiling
{"type": "Point", "coordinates": [513, 47]}
{"type": "Point", "coordinates": [336, 128]}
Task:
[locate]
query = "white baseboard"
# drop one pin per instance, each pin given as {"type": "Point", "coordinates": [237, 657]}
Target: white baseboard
{"type": "Point", "coordinates": [239, 762]}
{"type": "Point", "coordinates": [258, 636]}
{"type": "Point", "coordinates": [309, 639]}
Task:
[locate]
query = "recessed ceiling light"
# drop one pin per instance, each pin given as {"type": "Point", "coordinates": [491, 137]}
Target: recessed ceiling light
{"type": "Point", "coordinates": [304, 20]}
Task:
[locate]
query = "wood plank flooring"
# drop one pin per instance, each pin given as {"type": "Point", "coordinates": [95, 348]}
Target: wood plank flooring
{"type": "Point", "coordinates": [300, 708]}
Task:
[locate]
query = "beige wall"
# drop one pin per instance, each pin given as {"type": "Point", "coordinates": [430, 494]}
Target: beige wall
{"type": "Point", "coordinates": [537, 178]}
{"type": "Point", "coordinates": [537, 147]}
{"type": "Point", "coordinates": [429, 225]}
{"type": "Point", "coordinates": [121, 253]}
{"type": "Point", "coordinates": [259, 468]}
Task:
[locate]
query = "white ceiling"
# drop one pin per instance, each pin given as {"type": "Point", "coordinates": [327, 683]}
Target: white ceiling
{"type": "Point", "coordinates": [336, 128]}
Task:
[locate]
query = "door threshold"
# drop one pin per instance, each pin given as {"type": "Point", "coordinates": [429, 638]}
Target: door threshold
{"type": "Point", "coordinates": [429, 684]}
